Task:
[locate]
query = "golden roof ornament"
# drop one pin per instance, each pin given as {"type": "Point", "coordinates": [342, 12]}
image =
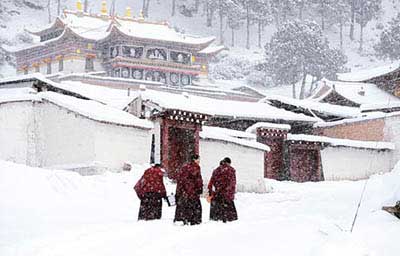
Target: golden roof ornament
{"type": "Point", "coordinates": [128, 12]}
{"type": "Point", "coordinates": [79, 6]}
{"type": "Point", "coordinates": [103, 10]}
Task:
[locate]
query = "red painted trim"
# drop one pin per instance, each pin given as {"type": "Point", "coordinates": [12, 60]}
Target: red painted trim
{"type": "Point", "coordinates": [152, 68]}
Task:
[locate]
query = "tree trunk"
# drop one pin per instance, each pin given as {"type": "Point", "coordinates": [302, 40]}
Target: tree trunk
{"type": "Point", "coordinates": [221, 21]}
{"type": "Point", "coordinates": [341, 34]}
{"type": "Point", "coordinates": [85, 6]}
{"type": "Point", "coordinates": [210, 13]}
{"type": "Point", "coordinates": [247, 26]}
{"type": "Point", "coordinates": [301, 10]}
{"type": "Point", "coordinates": [59, 7]}
{"type": "Point", "coordinates": [322, 15]}
{"type": "Point", "coordinates": [352, 20]}
{"type": "Point", "coordinates": [233, 37]}
{"type": "Point", "coordinates": [147, 8]}
{"type": "Point", "coordinates": [259, 33]}
{"type": "Point", "coordinates": [173, 7]}
{"type": "Point", "coordinates": [49, 10]}
{"type": "Point", "coordinates": [361, 26]}
{"type": "Point", "coordinates": [196, 6]}
{"type": "Point", "coordinates": [303, 86]}
{"type": "Point", "coordinates": [361, 37]}
{"type": "Point", "coordinates": [294, 90]}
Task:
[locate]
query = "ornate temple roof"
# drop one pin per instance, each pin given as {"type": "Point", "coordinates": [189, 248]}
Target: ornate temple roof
{"type": "Point", "coordinates": [98, 27]}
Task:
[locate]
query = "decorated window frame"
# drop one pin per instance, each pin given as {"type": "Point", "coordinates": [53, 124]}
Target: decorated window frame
{"type": "Point", "coordinates": [137, 53]}
{"type": "Point", "coordinates": [159, 53]}
{"type": "Point", "coordinates": [176, 55]}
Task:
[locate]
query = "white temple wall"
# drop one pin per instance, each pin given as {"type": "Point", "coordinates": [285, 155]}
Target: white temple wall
{"type": "Point", "coordinates": [66, 138]}
{"type": "Point", "coordinates": [392, 134]}
{"type": "Point", "coordinates": [74, 66]}
{"type": "Point", "coordinates": [342, 163]}
{"type": "Point", "coordinates": [115, 145]}
{"type": "Point", "coordinates": [15, 128]}
{"type": "Point", "coordinates": [248, 162]}
{"type": "Point", "coordinates": [46, 135]}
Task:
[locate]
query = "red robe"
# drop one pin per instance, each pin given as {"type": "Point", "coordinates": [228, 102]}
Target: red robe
{"type": "Point", "coordinates": [151, 182]}
{"type": "Point", "coordinates": [189, 181]}
{"type": "Point", "coordinates": [150, 189]}
{"type": "Point", "coordinates": [189, 187]}
{"type": "Point", "coordinates": [223, 182]}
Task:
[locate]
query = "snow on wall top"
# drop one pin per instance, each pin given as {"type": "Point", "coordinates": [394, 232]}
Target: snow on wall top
{"type": "Point", "coordinates": [215, 107]}
{"type": "Point", "coordinates": [360, 93]}
{"type": "Point", "coordinates": [327, 108]}
{"type": "Point", "coordinates": [7, 98]}
{"type": "Point", "coordinates": [95, 110]}
{"type": "Point", "coordinates": [222, 134]}
{"type": "Point", "coordinates": [363, 75]}
{"type": "Point", "coordinates": [342, 142]}
{"type": "Point", "coordinates": [230, 132]}
{"type": "Point", "coordinates": [364, 117]}
{"type": "Point", "coordinates": [253, 128]}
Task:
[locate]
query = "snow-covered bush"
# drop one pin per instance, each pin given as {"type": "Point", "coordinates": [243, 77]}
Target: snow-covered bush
{"type": "Point", "coordinates": [235, 64]}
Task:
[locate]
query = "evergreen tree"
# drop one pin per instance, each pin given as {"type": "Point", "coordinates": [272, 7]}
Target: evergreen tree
{"type": "Point", "coordinates": [389, 44]}
{"type": "Point", "coordinates": [299, 49]}
{"type": "Point", "coordinates": [341, 15]}
{"type": "Point", "coordinates": [262, 16]}
{"type": "Point", "coordinates": [366, 10]}
{"type": "Point", "coordinates": [235, 20]}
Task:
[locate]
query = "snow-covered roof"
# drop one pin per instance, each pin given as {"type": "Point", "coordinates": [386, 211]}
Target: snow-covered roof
{"type": "Point", "coordinates": [8, 98]}
{"type": "Point", "coordinates": [314, 105]}
{"type": "Point", "coordinates": [88, 108]}
{"type": "Point", "coordinates": [21, 78]}
{"type": "Point", "coordinates": [212, 49]}
{"type": "Point", "coordinates": [231, 136]}
{"type": "Point", "coordinates": [360, 93]}
{"type": "Point", "coordinates": [342, 142]}
{"type": "Point", "coordinates": [98, 27]}
{"type": "Point", "coordinates": [253, 128]}
{"type": "Point", "coordinates": [95, 110]}
{"type": "Point", "coordinates": [225, 108]}
{"type": "Point", "coordinates": [367, 74]}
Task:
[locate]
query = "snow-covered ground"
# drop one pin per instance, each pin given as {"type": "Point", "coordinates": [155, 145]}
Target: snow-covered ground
{"type": "Point", "coordinates": [54, 212]}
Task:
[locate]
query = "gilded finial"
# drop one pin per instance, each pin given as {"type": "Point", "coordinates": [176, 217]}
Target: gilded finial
{"type": "Point", "coordinates": [103, 7]}
{"type": "Point", "coordinates": [128, 12]}
{"type": "Point", "coordinates": [79, 6]}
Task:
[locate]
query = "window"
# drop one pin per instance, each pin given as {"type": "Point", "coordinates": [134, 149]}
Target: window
{"type": "Point", "coordinates": [37, 68]}
{"type": "Point", "coordinates": [156, 54]}
{"type": "Point", "coordinates": [60, 64]}
{"type": "Point", "coordinates": [89, 65]}
{"type": "Point", "coordinates": [25, 71]}
{"type": "Point", "coordinates": [48, 67]}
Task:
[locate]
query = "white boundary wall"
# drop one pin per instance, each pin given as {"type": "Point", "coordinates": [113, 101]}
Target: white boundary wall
{"type": "Point", "coordinates": [248, 162]}
{"type": "Point", "coordinates": [344, 163]}
{"type": "Point", "coordinates": [392, 134]}
{"type": "Point", "coordinates": [15, 129]}
{"type": "Point", "coordinates": [44, 134]}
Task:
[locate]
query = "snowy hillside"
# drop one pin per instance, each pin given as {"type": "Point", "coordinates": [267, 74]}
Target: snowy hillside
{"type": "Point", "coordinates": [50, 212]}
{"type": "Point", "coordinates": [16, 15]}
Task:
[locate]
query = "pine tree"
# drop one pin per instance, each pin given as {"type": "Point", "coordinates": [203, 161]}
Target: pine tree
{"type": "Point", "coordinates": [366, 10]}
{"type": "Point", "coordinates": [262, 16]}
{"type": "Point", "coordinates": [299, 49]}
{"type": "Point", "coordinates": [388, 46]}
{"type": "Point", "coordinates": [235, 19]}
{"type": "Point", "coordinates": [341, 14]}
